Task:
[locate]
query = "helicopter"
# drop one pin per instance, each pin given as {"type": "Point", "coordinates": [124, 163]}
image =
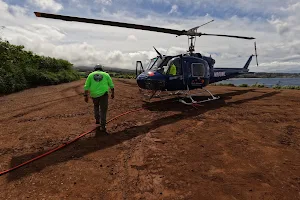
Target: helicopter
{"type": "Point", "coordinates": [176, 74]}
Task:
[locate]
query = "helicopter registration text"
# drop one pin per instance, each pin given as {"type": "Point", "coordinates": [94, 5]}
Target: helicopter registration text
{"type": "Point", "coordinates": [219, 74]}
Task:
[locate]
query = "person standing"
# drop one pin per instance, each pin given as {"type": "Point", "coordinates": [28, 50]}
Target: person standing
{"type": "Point", "coordinates": [98, 84]}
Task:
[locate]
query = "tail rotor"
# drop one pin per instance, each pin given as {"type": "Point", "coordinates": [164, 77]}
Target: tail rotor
{"type": "Point", "coordinates": [255, 53]}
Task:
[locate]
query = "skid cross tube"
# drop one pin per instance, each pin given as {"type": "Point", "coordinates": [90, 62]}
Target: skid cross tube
{"type": "Point", "coordinates": [190, 96]}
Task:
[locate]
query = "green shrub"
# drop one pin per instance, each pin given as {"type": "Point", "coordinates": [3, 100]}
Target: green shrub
{"type": "Point", "coordinates": [258, 85]}
{"type": "Point", "coordinates": [20, 69]}
{"type": "Point", "coordinates": [291, 87]}
{"type": "Point", "coordinates": [226, 84]}
{"type": "Point", "coordinates": [243, 85]}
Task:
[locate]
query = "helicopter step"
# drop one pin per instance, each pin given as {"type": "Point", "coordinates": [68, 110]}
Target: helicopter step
{"type": "Point", "coordinates": [197, 102]}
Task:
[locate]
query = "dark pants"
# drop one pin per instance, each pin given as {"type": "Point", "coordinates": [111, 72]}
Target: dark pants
{"type": "Point", "coordinates": [100, 114]}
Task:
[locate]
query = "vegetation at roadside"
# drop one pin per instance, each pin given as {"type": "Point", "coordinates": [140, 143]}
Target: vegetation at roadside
{"type": "Point", "coordinates": [257, 85]}
{"type": "Point", "coordinates": [21, 69]}
{"type": "Point", "coordinates": [291, 87]}
{"type": "Point", "coordinates": [114, 73]}
{"type": "Point", "coordinates": [269, 75]}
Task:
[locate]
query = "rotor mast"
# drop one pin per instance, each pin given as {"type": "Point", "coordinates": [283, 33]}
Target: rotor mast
{"type": "Point", "coordinates": [191, 44]}
{"type": "Point", "coordinates": [192, 33]}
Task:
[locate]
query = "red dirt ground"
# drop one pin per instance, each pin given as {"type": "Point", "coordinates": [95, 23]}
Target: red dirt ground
{"type": "Point", "coordinates": [243, 146]}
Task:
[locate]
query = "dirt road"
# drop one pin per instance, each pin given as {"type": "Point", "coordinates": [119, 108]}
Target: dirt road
{"type": "Point", "coordinates": [244, 146]}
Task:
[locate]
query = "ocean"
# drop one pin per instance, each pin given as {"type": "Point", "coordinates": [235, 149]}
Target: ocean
{"type": "Point", "coordinates": [268, 82]}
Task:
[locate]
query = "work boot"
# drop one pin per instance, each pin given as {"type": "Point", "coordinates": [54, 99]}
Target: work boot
{"type": "Point", "coordinates": [103, 129]}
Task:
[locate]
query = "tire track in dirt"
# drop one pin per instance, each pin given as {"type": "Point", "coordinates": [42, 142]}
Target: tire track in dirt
{"type": "Point", "coordinates": [34, 109]}
{"type": "Point", "coordinates": [46, 104]}
{"type": "Point", "coordinates": [136, 181]}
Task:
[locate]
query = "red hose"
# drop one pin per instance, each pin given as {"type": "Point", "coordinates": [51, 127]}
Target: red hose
{"type": "Point", "coordinates": [65, 144]}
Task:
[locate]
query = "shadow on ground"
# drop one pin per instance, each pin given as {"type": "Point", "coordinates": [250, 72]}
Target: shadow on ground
{"type": "Point", "coordinates": [93, 144]}
{"type": "Point", "coordinates": [172, 104]}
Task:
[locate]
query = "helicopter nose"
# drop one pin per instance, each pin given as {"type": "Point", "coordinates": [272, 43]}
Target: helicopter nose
{"type": "Point", "coordinates": [150, 73]}
{"type": "Point", "coordinates": [146, 75]}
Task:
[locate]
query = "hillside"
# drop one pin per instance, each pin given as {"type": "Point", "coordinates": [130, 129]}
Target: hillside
{"type": "Point", "coordinates": [114, 72]}
{"type": "Point", "coordinates": [106, 68]}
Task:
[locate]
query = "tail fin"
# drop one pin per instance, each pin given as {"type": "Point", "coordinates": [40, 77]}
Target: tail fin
{"type": "Point", "coordinates": [248, 62]}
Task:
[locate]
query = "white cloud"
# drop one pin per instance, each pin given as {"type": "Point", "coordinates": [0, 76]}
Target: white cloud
{"type": "Point", "coordinates": [280, 64]}
{"type": "Point", "coordinates": [174, 9]}
{"type": "Point", "coordinates": [17, 10]}
{"type": "Point", "coordinates": [105, 2]}
{"type": "Point", "coordinates": [86, 44]}
{"type": "Point", "coordinates": [131, 38]}
{"type": "Point", "coordinates": [50, 5]}
{"type": "Point", "coordinates": [3, 6]}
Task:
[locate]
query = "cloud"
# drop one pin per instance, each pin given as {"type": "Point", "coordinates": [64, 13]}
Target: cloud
{"type": "Point", "coordinates": [105, 2]}
{"type": "Point", "coordinates": [17, 10]}
{"type": "Point", "coordinates": [3, 6]}
{"type": "Point", "coordinates": [49, 5]}
{"type": "Point", "coordinates": [131, 38]}
{"type": "Point", "coordinates": [275, 26]}
{"type": "Point", "coordinates": [280, 64]}
{"type": "Point", "coordinates": [174, 9]}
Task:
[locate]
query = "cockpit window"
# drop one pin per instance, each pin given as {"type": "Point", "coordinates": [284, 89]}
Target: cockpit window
{"type": "Point", "coordinates": [158, 64]}
{"type": "Point", "coordinates": [154, 63]}
{"type": "Point", "coordinates": [150, 63]}
{"type": "Point", "coordinates": [174, 66]}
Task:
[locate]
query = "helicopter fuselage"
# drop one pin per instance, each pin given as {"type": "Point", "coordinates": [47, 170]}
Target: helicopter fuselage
{"type": "Point", "coordinates": [192, 73]}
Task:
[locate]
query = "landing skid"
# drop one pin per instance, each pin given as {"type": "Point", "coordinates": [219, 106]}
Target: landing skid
{"type": "Point", "coordinates": [197, 102]}
{"type": "Point", "coordinates": [150, 94]}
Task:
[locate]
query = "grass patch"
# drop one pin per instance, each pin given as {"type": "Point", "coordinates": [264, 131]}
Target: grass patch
{"type": "Point", "coordinates": [258, 85]}
{"type": "Point", "coordinates": [290, 87]}
{"type": "Point", "coordinates": [223, 84]}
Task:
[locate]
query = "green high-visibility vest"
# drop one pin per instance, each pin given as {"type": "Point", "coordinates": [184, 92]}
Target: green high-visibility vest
{"type": "Point", "coordinates": [172, 70]}
{"type": "Point", "coordinates": [98, 83]}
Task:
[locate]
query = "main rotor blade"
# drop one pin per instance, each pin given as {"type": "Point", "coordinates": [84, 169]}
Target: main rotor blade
{"type": "Point", "coordinates": [128, 25]}
{"type": "Point", "coordinates": [109, 23]}
{"type": "Point", "coordinates": [233, 36]}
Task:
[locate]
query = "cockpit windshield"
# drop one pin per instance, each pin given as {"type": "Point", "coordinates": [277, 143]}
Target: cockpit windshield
{"type": "Point", "coordinates": [154, 63]}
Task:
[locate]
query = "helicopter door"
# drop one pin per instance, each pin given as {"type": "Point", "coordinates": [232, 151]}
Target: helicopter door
{"type": "Point", "coordinates": [139, 68]}
{"type": "Point", "coordinates": [174, 74]}
{"type": "Point", "coordinates": [197, 71]}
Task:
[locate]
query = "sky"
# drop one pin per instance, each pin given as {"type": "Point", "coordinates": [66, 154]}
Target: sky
{"type": "Point", "coordinates": [274, 24]}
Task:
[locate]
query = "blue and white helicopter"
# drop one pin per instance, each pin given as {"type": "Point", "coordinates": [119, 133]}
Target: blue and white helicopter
{"type": "Point", "coordinates": [190, 70]}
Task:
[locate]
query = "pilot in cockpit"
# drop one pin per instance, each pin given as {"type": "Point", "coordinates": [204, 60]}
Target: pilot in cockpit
{"type": "Point", "coordinates": [172, 70]}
